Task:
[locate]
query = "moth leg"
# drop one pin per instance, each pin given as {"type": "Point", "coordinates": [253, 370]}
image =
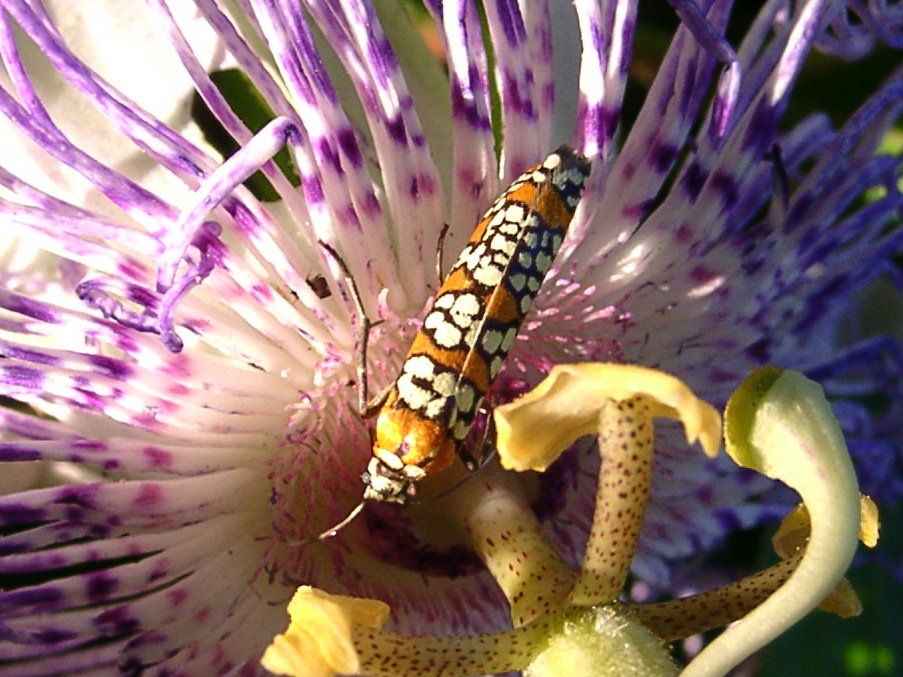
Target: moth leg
{"type": "Point", "coordinates": [365, 408]}
{"type": "Point", "coordinates": [440, 250]}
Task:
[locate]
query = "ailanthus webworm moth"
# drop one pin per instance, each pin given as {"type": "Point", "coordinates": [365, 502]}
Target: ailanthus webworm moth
{"type": "Point", "coordinates": [471, 326]}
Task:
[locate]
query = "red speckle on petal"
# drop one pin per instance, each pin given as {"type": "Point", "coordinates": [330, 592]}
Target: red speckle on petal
{"type": "Point", "coordinates": [157, 573]}
{"type": "Point", "coordinates": [427, 185]}
{"type": "Point", "coordinates": [176, 389]}
{"type": "Point", "coordinates": [635, 211]}
{"type": "Point", "coordinates": [177, 597]}
{"type": "Point", "coordinates": [149, 495]}
{"type": "Point", "coordinates": [177, 367]}
{"type": "Point", "coordinates": [683, 234]}
{"type": "Point", "coordinates": [261, 292]}
{"type": "Point", "coordinates": [157, 457]}
{"type": "Point", "coordinates": [145, 420]}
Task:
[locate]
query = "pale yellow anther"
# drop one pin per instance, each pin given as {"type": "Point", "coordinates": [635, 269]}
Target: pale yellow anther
{"type": "Point", "coordinates": [869, 522]}
{"type": "Point", "coordinates": [793, 534]}
{"type": "Point", "coordinates": [842, 601]}
{"type": "Point", "coordinates": [533, 430]}
{"type": "Point", "coordinates": [318, 642]}
{"type": "Point", "coordinates": [794, 530]}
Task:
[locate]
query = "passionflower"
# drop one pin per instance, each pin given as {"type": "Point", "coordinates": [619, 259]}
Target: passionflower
{"type": "Point", "coordinates": [777, 423]}
{"type": "Point", "coordinates": [180, 359]}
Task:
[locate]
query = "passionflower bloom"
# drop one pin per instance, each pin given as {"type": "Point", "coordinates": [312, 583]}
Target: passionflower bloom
{"type": "Point", "coordinates": [181, 355]}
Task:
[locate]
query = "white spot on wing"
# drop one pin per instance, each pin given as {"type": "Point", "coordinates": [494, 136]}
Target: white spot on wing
{"type": "Point", "coordinates": [492, 340]}
{"type": "Point", "coordinates": [515, 213]}
{"type": "Point", "coordinates": [416, 397]}
{"type": "Point", "coordinates": [495, 366]}
{"type": "Point", "coordinates": [444, 302]}
{"type": "Point", "coordinates": [420, 366]}
{"type": "Point", "coordinates": [464, 397]}
{"type": "Point", "coordinates": [435, 407]}
{"type": "Point", "coordinates": [543, 263]}
{"type": "Point", "coordinates": [488, 275]}
{"type": "Point", "coordinates": [447, 335]}
{"type": "Point", "coordinates": [465, 308]}
{"type": "Point", "coordinates": [500, 243]}
{"type": "Point", "coordinates": [507, 342]}
{"type": "Point", "coordinates": [444, 384]}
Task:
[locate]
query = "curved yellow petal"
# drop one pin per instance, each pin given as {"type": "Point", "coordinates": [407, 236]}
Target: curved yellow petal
{"type": "Point", "coordinates": [534, 429]}
{"type": "Point", "coordinates": [318, 641]}
{"type": "Point", "coordinates": [842, 601]}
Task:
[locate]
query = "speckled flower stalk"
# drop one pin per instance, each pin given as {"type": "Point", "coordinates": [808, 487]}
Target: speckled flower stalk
{"type": "Point", "coordinates": [178, 356]}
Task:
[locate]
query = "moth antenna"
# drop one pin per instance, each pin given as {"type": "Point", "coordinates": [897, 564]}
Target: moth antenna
{"type": "Point", "coordinates": [333, 530]}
